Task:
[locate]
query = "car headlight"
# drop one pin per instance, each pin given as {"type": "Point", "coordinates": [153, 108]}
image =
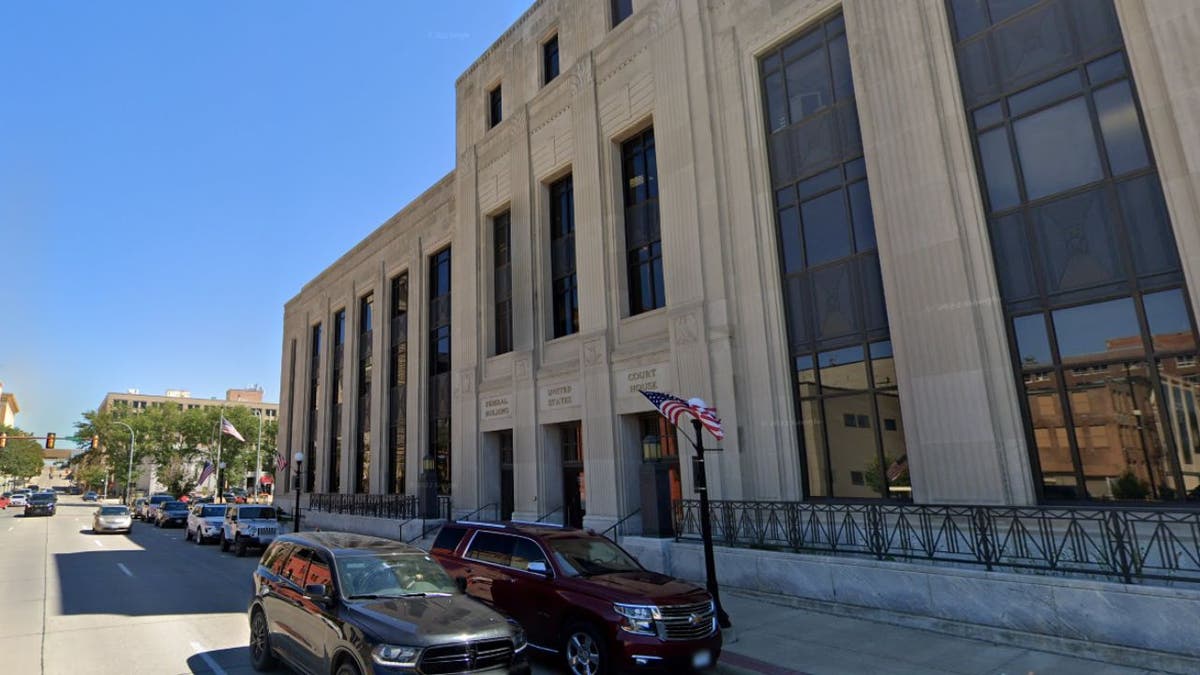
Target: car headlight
{"type": "Point", "coordinates": [637, 619]}
{"type": "Point", "coordinates": [395, 655]}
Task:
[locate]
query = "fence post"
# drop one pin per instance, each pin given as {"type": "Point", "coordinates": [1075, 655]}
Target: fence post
{"type": "Point", "coordinates": [1114, 527]}
{"type": "Point", "coordinates": [985, 548]}
{"type": "Point", "coordinates": [875, 530]}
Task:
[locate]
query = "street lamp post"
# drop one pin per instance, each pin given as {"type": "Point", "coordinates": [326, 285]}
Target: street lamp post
{"type": "Point", "coordinates": [299, 465]}
{"type": "Point", "coordinates": [221, 481]}
{"type": "Point", "coordinates": [701, 483]}
{"type": "Point", "coordinates": [129, 472]}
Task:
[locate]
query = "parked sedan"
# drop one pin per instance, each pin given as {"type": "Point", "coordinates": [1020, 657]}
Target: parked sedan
{"type": "Point", "coordinates": [4, 501]}
{"type": "Point", "coordinates": [40, 505]}
{"type": "Point", "coordinates": [204, 522]}
{"type": "Point", "coordinates": [91, 497]}
{"type": "Point", "coordinates": [112, 519]}
{"type": "Point", "coordinates": [139, 505]}
{"type": "Point", "coordinates": [19, 499]}
{"type": "Point", "coordinates": [170, 514]}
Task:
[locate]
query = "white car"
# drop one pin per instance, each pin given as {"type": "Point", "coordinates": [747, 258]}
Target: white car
{"type": "Point", "coordinates": [18, 500]}
{"type": "Point", "coordinates": [112, 519]}
{"type": "Point", "coordinates": [204, 522]}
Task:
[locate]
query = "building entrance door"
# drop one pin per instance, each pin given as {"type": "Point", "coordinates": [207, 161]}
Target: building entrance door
{"type": "Point", "coordinates": [659, 475]}
{"type": "Point", "coordinates": [574, 493]}
{"type": "Point", "coordinates": [506, 475]}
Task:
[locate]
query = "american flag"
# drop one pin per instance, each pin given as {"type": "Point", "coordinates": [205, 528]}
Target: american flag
{"type": "Point", "coordinates": [227, 428]}
{"type": "Point", "coordinates": [897, 468]}
{"type": "Point", "coordinates": [280, 462]}
{"type": "Point", "coordinates": [673, 407]}
{"type": "Point", "coordinates": [208, 471]}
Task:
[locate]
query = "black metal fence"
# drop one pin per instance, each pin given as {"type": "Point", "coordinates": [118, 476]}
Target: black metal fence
{"type": "Point", "coordinates": [1127, 544]}
{"type": "Point", "coordinates": [376, 506]}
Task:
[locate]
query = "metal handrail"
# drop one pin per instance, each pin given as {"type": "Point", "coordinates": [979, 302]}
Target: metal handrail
{"type": "Point", "coordinates": [1123, 543]}
{"type": "Point", "coordinates": [480, 510]}
{"type": "Point", "coordinates": [614, 526]}
{"type": "Point", "coordinates": [544, 516]}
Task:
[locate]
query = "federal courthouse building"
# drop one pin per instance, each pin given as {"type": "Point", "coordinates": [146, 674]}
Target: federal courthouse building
{"type": "Point", "coordinates": [939, 251]}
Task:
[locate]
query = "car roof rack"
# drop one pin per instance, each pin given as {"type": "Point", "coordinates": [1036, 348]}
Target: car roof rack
{"type": "Point", "coordinates": [536, 523]}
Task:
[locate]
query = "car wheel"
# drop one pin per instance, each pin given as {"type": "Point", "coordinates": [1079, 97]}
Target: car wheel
{"type": "Point", "coordinates": [239, 548]}
{"type": "Point", "coordinates": [224, 543]}
{"type": "Point", "coordinates": [347, 668]}
{"type": "Point", "coordinates": [187, 534]}
{"type": "Point", "coordinates": [261, 656]}
{"type": "Point", "coordinates": [585, 650]}
{"type": "Point", "coordinates": [198, 537]}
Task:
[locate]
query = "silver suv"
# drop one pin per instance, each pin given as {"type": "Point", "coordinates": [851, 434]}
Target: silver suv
{"type": "Point", "coordinates": [248, 525]}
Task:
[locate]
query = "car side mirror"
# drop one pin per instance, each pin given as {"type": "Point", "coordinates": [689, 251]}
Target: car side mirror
{"type": "Point", "coordinates": [537, 567]}
{"type": "Point", "coordinates": [318, 592]}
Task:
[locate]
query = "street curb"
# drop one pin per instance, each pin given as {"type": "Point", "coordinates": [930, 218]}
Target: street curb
{"type": "Point", "coordinates": [1082, 649]}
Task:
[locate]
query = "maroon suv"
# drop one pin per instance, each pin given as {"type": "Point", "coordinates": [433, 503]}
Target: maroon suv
{"type": "Point", "coordinates": [580, 595]}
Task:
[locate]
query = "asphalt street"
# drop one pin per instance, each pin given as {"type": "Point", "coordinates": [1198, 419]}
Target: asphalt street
{"type": "Point", "coordinates": [75, 602]}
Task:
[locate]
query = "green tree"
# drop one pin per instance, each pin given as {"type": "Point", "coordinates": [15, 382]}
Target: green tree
{"type": "Point", "coordinates": [22, 458]}
{"type": "Point", "coordinates": [91, 477]}
{"type": "Point", "coordinates": [874, 475]}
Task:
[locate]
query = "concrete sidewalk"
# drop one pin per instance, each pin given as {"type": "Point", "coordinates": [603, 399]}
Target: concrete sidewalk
{"type": "Point", "coordinates": [776, 635]}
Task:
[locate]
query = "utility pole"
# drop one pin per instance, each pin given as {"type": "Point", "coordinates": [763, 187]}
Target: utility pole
{"type": "Point", "coordinates": [258, 457]}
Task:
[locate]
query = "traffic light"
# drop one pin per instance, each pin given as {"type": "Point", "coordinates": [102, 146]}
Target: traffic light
{"type": "Point", "coordinates": [50, 441]}
{"type": "Point", "coordinates": [95, 443]}
{"type": "Point", "coordinates": [3, 440]}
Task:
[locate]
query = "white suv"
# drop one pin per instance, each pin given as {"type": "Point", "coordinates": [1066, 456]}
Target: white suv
{"type": "Point", "coordinates": [248, 525]}
{"type": "Point", "coordinates": [204, 522]}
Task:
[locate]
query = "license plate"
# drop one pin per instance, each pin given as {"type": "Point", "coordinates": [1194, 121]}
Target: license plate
{"type": "Point", "coordinates": [702, 659]}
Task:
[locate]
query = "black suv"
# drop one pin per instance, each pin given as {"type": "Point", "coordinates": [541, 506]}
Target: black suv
{"type": "Point", "coordinates": [348, 604]}
{"type": "Point", "coordinates": [40, 504]}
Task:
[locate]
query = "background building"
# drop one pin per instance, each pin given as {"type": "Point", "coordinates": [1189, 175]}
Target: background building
{"type": "Point", "coordinates": [8, 408]}
{"type": "Point", "coordinates": [182, 399]}
{"type": "Point", "coordinates": [935, 251]}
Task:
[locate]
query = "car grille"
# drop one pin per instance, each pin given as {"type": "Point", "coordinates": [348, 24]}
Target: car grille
{"type": "Point", "coordinates": [687, 622]}
{"type": "Point", "coordinates": [265, 531]}
{"type": "Point", "coordinates": [466, 657]}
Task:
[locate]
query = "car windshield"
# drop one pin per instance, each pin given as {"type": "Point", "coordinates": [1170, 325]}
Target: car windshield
{"type": "Point", "coordinates": [174, 506]}
{"type": "Point", "coordinates": [391, 575]}
{"type": "Point", "coordinates": [159, 499]}
{"type": "Point", "coordinates": [114, 511]}
{"type": "Point", "coordinates": [257, 513]}
{"type": "Point", "coordinates": [585, 557]}
{"type": "Point", "coordinates": [41, 499]}
{"type": "Point", "coordinates": [215, 511]}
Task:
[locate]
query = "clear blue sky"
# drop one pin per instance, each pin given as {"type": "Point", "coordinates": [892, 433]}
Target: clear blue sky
{"type": "Point", "coordinates": [172, 172]}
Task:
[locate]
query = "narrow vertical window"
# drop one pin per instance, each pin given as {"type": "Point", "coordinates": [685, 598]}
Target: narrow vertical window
{"type": "Point", "coordinates": [564, 292]}
{"type": "Point", "coordinates": [335, 407]}
{"type": "Point", "coordinates": [314, 403]}
{"type": "Point", "coordinates": [621, 10]}
{"type": "Point", "coordinates": [494, 108]}
{"type": "Point", "coordinates": [643, 239]}
{"type": "Point", "coordinates": [398, 385]}
{"type": "Point", "coordinates": [549, 60]}
{"type": "Point", "coordinates": [1091, 283]}
{"type": "Point", "coordinates": [439, 367]}
{"type": "Point", "coordinates": [362, 435]}
{"type": "Point", "coordinates": [282, 480]}
{"type": "Point", "coordinates": [839, 340]}
{"type": "Point", "coordinates": [502, 282]}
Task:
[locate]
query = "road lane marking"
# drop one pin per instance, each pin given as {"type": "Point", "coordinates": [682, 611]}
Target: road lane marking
{"type": "Point", "coordinates": [125, 569]}
{"type": "Point", "coordinates": [97, 542]}
{"type": "Point", "coordinates": [202, 652]}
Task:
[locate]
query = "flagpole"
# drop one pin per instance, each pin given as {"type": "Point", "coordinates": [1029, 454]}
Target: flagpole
{"type": "Point", "coordinates": [220, 496]}
{"type": "Point", "coordinates": [258, 458]}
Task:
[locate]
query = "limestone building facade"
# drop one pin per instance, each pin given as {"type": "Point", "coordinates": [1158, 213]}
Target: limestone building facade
{"type": "Point", "coordinates": [934, 250]}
